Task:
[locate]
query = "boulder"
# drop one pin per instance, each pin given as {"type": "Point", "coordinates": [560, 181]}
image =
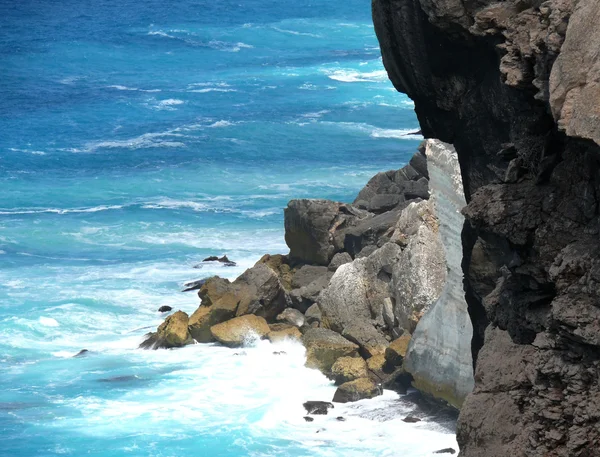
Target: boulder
{"type": "Point", "coordinates": [371, 341]}
{"type": "Point", "coordinates": [291, 333]}
{"type": "Point", "coordinates": [239, 330]}
{"type": "Point", "coordinates": [348, 369]}
{"type": "Point", "coordinates": [291, 316]}
{"type": "Point", "coordinates": [411, 420]}
{"type": "Point", "coordinates": [339, 259]}
{"type": "Point", "coordinates": [212, 289]}
{"type": "Point", "coordinates": [172, 333]}
{"type": "Point", "coordinates": [223, 309]}
{"type": "Point", "coordinates": [307, 274]}
{"type": "Point", "coordinates": [193, 285]}
{"type": "Point", "coordinates": [396, 351]}
{"type": "Point", "coordinates": [317, 407]}
{"type": "Point", "coordinates": [357, 290]}
{"type": "Point", "coordinates": [356, 390]}
{"type": "Point", "coordinates": [324, 347]}
{"type": "Point", "coordinates": [374, 231]}
{"type": "Point", "coordinates": [312, 227]}
{"type": "Point", "coordinates": [313, 316]}
{"type": "Point", "coordinates": [82, 353]}
{"type": "Point", "coordinates": [304, 297]}
{"type": "Point", "coordinates": [164, 309]}
{"type": "Point", "coordinates": [281, 266]}
{"type": "Point", "coordinates": [261, 293]}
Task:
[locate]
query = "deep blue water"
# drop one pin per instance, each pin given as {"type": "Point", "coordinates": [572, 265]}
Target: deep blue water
{"type": "Point", "coordinates": [136, 138]}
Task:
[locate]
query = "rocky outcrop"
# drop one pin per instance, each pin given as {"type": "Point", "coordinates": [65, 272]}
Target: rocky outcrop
{"type": "Point", "coordinates": [513, 86]}
{"type": "Point", "coordinates": [439, 355]}
{"type": "Point", "coordinates": [358, 389]}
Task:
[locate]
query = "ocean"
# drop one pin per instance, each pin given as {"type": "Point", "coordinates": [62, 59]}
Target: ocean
{"type": "Point", "coordinates": [137, 138]}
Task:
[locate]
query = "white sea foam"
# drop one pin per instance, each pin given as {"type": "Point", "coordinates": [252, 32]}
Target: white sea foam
{"type": "Point", "coordinates": [48, 322]}
{"type": "Point", "coordinates": [295, 32]}
{"type": "Point", "coordinates": [94, 209]}
{"type": "Point", "coordinates": [352, 76]}
{"type": "Point", "coordinates": [28, 151]}
{"type": "Point", "coordinates": [211, 89]}
{"type": "Point", "coordinates": [120, 87]}
{"type": "Point", "coordinates": [376, 132]}
{"type": "Point", "coordinates": [221, 124]}
{"type": "Point", "coordinates": [146, 140]}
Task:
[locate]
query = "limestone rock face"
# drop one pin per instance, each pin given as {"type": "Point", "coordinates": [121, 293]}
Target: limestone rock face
{"type": "Point", "coordinates": [491, 78]}
{"type": "Point", "coordinates": [439, 356]}
{"type": "Point", "coordinates": [240, 330]}
{"type": "Point", "coordinates": [324, 347]}
{"type": "Point", "coordinates": [348, 369]}
{"type": "Point", "coordinates": [172, 333]}
{"type": "Point", "coordinates": [358, 389]}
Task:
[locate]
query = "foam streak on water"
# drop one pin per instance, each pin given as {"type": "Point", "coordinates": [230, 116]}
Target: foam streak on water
{"type": "Point", "coordinates": [138, 139]}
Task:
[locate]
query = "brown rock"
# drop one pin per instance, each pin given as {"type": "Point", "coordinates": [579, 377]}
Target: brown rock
{"type": "Point", "coordinates": [396, 351]}
{"type": "Point", "coordinates": [356, 390]}
{"type": "Point", "coordinates": [172, 333]}
{"type": "Point", "coordinates": [291, 333]}
{"type": "Point", "coordinates": [239, 330]}
{"type": "Point", "coordinates": [324, 347]}
{"type": "Point", "coordinates": [280, 265]}
{"type": "Point", "coordinates": [348, 369]}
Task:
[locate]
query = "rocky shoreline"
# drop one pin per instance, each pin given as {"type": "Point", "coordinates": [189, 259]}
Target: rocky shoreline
{"type": "Point", "coordinates": [372, 289]}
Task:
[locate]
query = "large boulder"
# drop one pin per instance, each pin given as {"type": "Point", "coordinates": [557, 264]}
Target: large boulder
{"type": "Point", "coordinates": [312, 227]}
{"type": "Point", "coordinates": [223, 309]}
{"type": "Point", "coordinates": [339, 259]}
{"type": "Point", "coordinates": [348, 369]}
{"type": "Point", "coordinates": [356, 390]}
{"type": "Point", "coordinates": [289, 333]}
{"type": "Point", "coordinates": [261, 293]}
{"type": "Point", "coordinates": [357, 290]}
{"type": "Point", "coordinates": [240, 330]}
{"type": "Point", "coordinates": [291, 316]}
{"type": "Point", "coordinates": [371, 341]}
{"type": "Point", "coordinates": [281, 266]}
{"type": "Point", "coordinates": [304, 297]}
{"type": "Point", "coordinates": [396, 351]}
{"type": "Point", "coordinates": [324, 347]}
{"type": "Point", "coordinates": [308, 274]}
{"type": "Point", "coordinates": [172, 333]}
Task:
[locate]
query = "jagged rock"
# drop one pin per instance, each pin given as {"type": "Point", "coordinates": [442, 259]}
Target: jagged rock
{"type": "Point", "coordinates": [205, 317]}
{"type": "Point", "coordinates": [82, 353]}
{"type": "Point", "coordinates": [240, 330]}
{"type": "Point", "coordinates": [291, 316]}
{"type": "Point", "coordinates": [339, 259]}
{"type": "Point", "coordinates": [164, 309]}
{"type": "Point", "coordinates": [371, 341]}
{"type": "Point", "coordinates": [308, 419]}
{"type": "Point", "coordinates": [324, 347]}
{"type": "Point", "coordinates": [438, 356]}
{"type": "Point", "coordinates": [356, 390]}
{"type": "Point", "coordinates": [396, 351]}
{"type": "Point", "coordinates": [356, 291]}
{"type": "Point", "coordinates": [317, 407]}
{"type": "Point", "coordinates": [212, 289]}
{"type": "Point", "coordinates": [447, 450]}
{"type": "Point", "coordinates": [348, 369]}
{"type": "Point", "coordinates": [193, 285]}
{"type": "Point", "coordinates": [371, 232]}
{"type": "Point", "coordinates": [280, 265]}
{"type": "Point", "coordinates": [313, 315]}
{"type": "Point", "coordinates": [172, 333]}
{"type": "Point", "coordinates": [311, 226]}
{"type": "Point", "coordinates": [291, 333]}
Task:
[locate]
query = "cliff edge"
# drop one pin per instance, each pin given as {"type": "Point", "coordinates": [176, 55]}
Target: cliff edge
{"type": "Point", "coordinates": [515, 87]}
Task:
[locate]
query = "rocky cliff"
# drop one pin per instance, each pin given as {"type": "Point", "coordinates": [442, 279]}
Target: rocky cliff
{"type": "Point", "coordinates": [515, 87]}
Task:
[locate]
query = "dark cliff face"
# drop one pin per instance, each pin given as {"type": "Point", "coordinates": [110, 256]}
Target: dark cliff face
{"type": "Point", "coordinates": [515, 86]}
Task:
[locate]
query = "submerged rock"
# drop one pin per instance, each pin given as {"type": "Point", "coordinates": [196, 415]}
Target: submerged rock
{"type": "Point", "coordinates": [411, 419]}
{"type": "Point", "coordinates": [447, 450]}
{"type": "Point", "coordinates": [172, 333]}
{"type": "Point", "coordinates": [308, 419]}
{"type": "Point", "coordinates": [165, 309]}
{"type": "Point", "coordinates": [239, 330]}
{"type": "Point", "coordinates": [324, 347]}
{"type": "Point", "coordinates": [82, 353]}
{"type": "Point", "coordinates": [358, 389]}
{"type": "Point", "coordinates": [317, 407]}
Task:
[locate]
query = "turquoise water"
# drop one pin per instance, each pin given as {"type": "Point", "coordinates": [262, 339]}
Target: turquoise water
{"type": "Point", "coordinates": [137, 138]}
